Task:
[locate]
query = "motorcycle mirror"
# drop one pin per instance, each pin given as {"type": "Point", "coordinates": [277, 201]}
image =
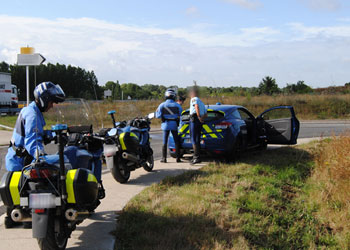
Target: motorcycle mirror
{"type": "Point", "coordinates": [111, 112]}
{"type": "Point", "coordinates": [151, 116]}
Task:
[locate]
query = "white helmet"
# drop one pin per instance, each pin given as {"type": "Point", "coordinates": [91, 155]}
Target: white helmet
{"type": "Point", "coordinates": [170, 94]}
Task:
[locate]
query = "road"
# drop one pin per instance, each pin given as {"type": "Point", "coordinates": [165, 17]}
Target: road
{"type": "Point", "coordinates": [307, 130]}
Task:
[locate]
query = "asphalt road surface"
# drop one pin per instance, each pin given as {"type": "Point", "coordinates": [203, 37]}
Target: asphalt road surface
{"type": "Point", "coordinates": [307, 130]}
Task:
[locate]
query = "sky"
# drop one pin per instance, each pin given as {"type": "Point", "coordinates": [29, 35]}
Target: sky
{"type": "Point", "coordinates": [215, 42]}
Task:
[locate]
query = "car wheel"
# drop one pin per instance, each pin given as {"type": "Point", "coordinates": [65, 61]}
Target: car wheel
{"type": "Point", "coordinates": [236, 150]}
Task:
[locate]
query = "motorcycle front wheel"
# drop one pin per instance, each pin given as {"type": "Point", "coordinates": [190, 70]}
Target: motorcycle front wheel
{"type": "Point", "coordinates": [119, 172]}
{"type": "Point", "coordinates": [53, 240]}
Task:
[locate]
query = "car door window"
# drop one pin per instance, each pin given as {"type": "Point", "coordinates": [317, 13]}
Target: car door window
{"type": "Point", "coordinates": [236, 115]}
{"type": "Point", "coordinates": [245, 115]}
{"type": "Point", "coordinates": [276, 114]}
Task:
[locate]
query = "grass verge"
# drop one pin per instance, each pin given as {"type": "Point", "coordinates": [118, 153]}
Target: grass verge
{"type": "Point", "coordinates": [260, 203]}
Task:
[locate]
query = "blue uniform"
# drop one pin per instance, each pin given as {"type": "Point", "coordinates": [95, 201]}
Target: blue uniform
{"type": "Point", "coordinates": [202, 108]}
{"type": "Point", "coordinates": [170, 112]}
{"type": "Point", "coordinates": [28, 134]}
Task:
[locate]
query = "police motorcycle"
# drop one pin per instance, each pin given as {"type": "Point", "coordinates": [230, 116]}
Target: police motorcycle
{"type": "Point", "coordinates": [57, 192]}
{"type": "Point", "coordinates": [127, 147]}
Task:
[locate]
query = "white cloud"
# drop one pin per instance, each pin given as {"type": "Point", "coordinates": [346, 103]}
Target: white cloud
{"type": "Point", "coordinates": [192, 11]}
{"type": "Point", "coordinates": [248, 4]}
{"type": "Point", "coordinates": [306, 32]}
{"type": "Point", "coordinates": [344, 19]}
{"type": "Point", "coordinates": [168, 56]}
{"type": "Point", "coordinates": [329, 5]}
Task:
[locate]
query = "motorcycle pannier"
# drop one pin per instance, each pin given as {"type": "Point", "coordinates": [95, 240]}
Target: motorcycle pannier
{"type": "Point", "coordinates": [9, 188]}
{"type": "Point", "coordinates": [82, 187]}
{"type": "Point", "coordinates": [129, 141]}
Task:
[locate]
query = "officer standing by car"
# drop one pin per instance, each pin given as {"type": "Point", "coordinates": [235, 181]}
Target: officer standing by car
{"type": "Point", "coordinates": [198, 113]}
{"type": "Point", "coordinates": [170, 112]}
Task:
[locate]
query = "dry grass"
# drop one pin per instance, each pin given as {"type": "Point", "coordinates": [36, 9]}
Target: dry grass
{"type": "Point", "coordinates": [257, 203]}
{"type": "Point", "coordinates": [330, 184]}
{"type": "Point", "coordinates": [124, 110]}
{"type": "Point", "coordinates": [307, 107]}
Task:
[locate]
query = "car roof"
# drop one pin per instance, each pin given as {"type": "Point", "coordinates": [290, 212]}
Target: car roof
{"type": "Point", "coordinates": [223, 108]}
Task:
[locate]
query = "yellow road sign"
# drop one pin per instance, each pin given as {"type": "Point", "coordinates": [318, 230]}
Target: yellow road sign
{"type": "Point", "coordinates": [27, 50]}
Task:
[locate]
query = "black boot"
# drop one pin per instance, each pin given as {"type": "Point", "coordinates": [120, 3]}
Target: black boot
{"type": "Point", "coordinates": [178, 153]}
{"type": "Point", "coordinates": [164, 153]}
{"type": "Point", "coordinates": [101, 191]}
{"type": "Point", "coordinates": [196, 155]}
{"type": "Point", "coordinates": [9, 223]}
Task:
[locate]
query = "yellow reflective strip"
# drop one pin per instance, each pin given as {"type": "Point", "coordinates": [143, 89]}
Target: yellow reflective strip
{"type": "Point", "coordinates": [219, 130]}
{"type": "Point", "coordinates": [14, 191]}
{"type": "Point", "coordinates": [183, 135]}
{"type": "Point", "coordinates": [207, 129]}
{"type": "Point", "coordinates": [183, 128]}
{"type": "Point", "coordinates": [121, 140]}
{"type": "Point", "coordinates": [204, 136]}
{"type": "Point", "coordinates": [222, 112]}
{"type": "Point", "coordinates": [134, 135]}
{"type": "Point", "coordinates": [214, 135]}
{"type": "Point", "coordinates": [92, 178]}
{"type": "Point", "coordinates": [210, 109]}
{"type": "Point", "coordinates": [69, 185]}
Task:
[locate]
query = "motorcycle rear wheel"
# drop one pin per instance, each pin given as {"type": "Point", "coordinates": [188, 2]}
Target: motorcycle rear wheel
{"type": "Point", "coordinates": [53, 241]}
{"type": "Point", "coordinates": [149, 164]}
{"type": "Point", "coordinates": [119, 172]}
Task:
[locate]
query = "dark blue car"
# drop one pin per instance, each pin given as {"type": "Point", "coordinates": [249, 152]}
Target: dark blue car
{"type": "Point", "coordinates": [230, 129]}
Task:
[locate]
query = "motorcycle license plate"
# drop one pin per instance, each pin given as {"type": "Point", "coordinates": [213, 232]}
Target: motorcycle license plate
{"type": "Point", "coordinates": [42, 200]}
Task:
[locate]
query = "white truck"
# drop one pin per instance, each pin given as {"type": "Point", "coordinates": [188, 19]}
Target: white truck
{"type": "Point", "coordinates": [8, 94]}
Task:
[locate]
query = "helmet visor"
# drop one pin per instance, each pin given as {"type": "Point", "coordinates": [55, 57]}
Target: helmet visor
{"type": "Point", "coordinates": [58, 94]}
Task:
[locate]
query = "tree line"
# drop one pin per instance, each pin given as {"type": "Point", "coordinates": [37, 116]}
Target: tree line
{"type": "Point", "coordinates": [75, 81]}
{"type": "Point", "coordinates": [80, 83]}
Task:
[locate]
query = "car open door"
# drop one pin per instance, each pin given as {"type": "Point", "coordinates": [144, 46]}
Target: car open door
{"type": "Point", "coordinates": [280, 124]}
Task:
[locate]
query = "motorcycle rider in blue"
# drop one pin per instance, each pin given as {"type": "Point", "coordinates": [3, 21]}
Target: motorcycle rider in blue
{"type": "Point", "coordinates": [29, 134]}
{"type": "Point", "coordinates": [170, 113]}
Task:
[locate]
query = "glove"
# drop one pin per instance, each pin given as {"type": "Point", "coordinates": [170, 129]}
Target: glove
{"type": "Point", "coordinates": [48, 137]}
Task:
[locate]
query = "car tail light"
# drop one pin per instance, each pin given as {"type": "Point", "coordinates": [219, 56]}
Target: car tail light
{"type": "Point", "coordinates": [223, 125]}
{"type": "Point", "coordinates": [218, 152]}
{"type": "Point", "coordinates": [41, 173]}
{"type": "Point", "coordinates": [173, 150]}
